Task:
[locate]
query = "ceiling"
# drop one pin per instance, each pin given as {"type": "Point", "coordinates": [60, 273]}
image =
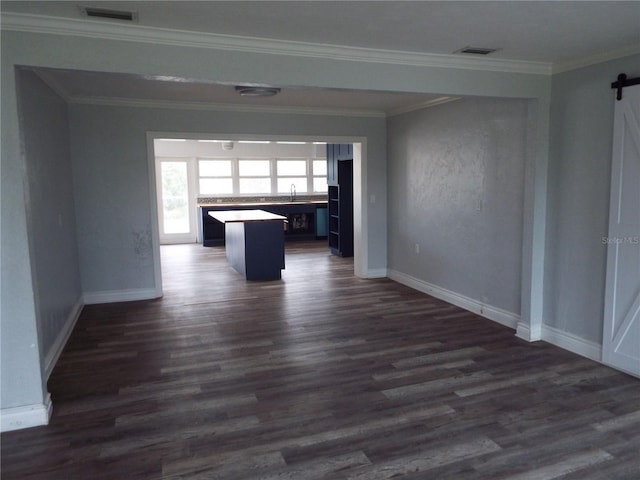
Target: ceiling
{"type": "Point", "coordinates": [92, 87]}
{"type": "Point", "coordinates": [552, 33]}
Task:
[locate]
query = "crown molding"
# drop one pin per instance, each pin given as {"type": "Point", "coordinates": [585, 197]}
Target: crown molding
{"type": "Point", "coordinates": [633, 49]}
{"type": "Point", "coordinates": [221, 107]}
{"type": "Point", "coordinates": [139, 33]}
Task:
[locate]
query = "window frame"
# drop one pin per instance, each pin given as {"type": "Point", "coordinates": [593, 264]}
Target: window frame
{"type": "Point", "coordinates": [237, 174]}
{"type": "Point", "coordinates": [307, 167]}
{"type": "Point", "coordinates": [199, 176]}
{"type": "Point", "coordinates": [273, 175]}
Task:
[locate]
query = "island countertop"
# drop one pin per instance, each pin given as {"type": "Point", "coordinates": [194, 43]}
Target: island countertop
{"type": "Point", "coordinates": [231, 216]}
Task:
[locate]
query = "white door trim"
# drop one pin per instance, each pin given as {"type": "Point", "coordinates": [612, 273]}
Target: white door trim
{"type": "Point", "coordinates": [360, 191]}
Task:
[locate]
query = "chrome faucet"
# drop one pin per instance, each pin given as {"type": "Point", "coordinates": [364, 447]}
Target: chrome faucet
{"type": "Point", "coordinates": [292, 191]}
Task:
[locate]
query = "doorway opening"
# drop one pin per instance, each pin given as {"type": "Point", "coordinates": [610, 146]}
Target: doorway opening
{"type": "Point", "coordinates": [176, 201]}
{"type": "Point", "coordinates": [189, 170]}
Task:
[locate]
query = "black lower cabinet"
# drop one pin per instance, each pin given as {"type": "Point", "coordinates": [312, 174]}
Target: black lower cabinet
{"type": "Point", "coordinates": [302, 221]}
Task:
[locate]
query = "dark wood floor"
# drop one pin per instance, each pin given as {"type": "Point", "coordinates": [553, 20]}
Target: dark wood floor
{"type": "Point", "coordinates": [318, 376]}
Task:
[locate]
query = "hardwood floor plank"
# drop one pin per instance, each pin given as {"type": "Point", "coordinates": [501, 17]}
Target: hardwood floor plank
{"type": "Point", "coordinates": [570, 464]}
{"type": "Point", "coordinates": [619, 422]}
{"type": "Point", "coordinates": [321, 375]}
{"type": "Point", "coordinates": [426, 459]}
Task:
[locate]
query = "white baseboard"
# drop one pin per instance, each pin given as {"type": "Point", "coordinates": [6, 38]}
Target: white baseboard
{"type": "Point", "coordinates": [559, 338]}
{"type": "Point", "coordinates": [525, 332]}
{"type": "Point", "coordinates": [503, 317]}
{"type": "Point", "coordinates": [376, 273]}
{"type": "Point", "coordinates": [61, 340]}
{"type": "Point", "coordinates": [26, 416]}
{"type": "Point", "coordinates": [572, 343]}
{"type": "Point", "coordinates": [113, 296]}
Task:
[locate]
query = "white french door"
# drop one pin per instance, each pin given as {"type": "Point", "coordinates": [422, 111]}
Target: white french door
{"type": "Point", "coordinates": [175, 185]}
{"type": "Point", "coordinates": [621, 337]}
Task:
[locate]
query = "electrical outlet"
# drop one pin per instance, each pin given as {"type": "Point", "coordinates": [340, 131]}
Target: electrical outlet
{"type": "Point", "coordinates": [417, 249]}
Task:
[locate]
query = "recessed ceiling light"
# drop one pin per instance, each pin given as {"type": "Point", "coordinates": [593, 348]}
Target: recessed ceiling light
{"type": "Point", "coordinates": [253, 91]}
{"type": "Point", "coordinates": [254, 141]}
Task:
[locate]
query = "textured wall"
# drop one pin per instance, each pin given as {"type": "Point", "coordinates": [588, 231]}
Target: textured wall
{"type": "Point", "coordinates": [50, 207]}
{"type": "Point", "coordinates": [579, 186]}
{"type": "Point", "coordinates": [456, 175]}
{"type": "Point", "coordinates": [20, 358]}
{"type": "Point", "coordinates": [144, 58]}
{"type": "Point", "coordinates": [111, 180]}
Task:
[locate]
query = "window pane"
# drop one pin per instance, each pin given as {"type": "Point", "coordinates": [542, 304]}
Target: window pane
{"type": "Point", "coordinates": [292, 167]}
{"type": "Point", "coordinates": [175, 197]}
{"type": "Point", "coordinates": [319, 167]}
{"type": "Point", "coordinates": [320, 185]}
{"type": "Point", "coordinates": [284, 185]}
{"type": "Point", "coordinates": [214, 168]}
{"type": "Point", "coordinates": [255, 185]}
{"type": "Point", "coordinates": [254, 168]}
{"type": "Point", "coordinates": [216, 186]}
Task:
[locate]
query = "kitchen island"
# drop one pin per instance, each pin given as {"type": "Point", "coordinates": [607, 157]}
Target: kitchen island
{"type": "Point", "coordinates": [307, 219]}
{"type": "Point", "coordinates": [254, 242]}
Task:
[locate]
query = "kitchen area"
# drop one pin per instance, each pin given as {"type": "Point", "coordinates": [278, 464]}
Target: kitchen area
{"type": "Point", "coordinates": [307, 184]}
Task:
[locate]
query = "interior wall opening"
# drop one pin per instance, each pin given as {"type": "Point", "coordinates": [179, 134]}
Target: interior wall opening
{"type": "Point", "coordinates": [192, 174]}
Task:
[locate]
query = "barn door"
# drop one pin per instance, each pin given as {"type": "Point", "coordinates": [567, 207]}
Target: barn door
{"type": "Point", "coordinates": [621, 338]}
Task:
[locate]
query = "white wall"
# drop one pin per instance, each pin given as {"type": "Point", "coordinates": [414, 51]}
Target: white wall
{"type": "Point", "coordinates": [20, 366]}
{"type": "Point", "coordinates": [111, 179]}
{"type": "Point", "coordinates": [31, 345]}
{"type": "Point", "coordinates": [50, 208]}
{"type": "Point", "coordinates": [194, 148]}
{"type": "Point", "coordinates": [456, 189]}
{"type": "Point", "coordinates": [126, 172]}
{"type": "Point", "coordinates": [579, 186]}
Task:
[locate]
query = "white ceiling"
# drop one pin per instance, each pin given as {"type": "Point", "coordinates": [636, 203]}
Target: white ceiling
{"type": "Point", "coordinates": [551, 32]}
{"type": "Point", "coordinates": [92, 87]}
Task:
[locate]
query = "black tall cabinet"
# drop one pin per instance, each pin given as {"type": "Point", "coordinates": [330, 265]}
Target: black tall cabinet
{"type": "Point", "coordinates": [340, 201]}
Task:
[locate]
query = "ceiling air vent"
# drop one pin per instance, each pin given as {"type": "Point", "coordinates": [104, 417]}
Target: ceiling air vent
{"type": "Point", "coordinates": [476, 50]}
{"type": "Point", "coordinates": [105, 13]}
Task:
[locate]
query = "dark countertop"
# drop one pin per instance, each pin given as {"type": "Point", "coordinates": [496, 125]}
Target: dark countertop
{"type": "Point", "coordinates": [257, 204]}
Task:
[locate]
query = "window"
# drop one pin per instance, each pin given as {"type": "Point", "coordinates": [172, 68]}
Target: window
{"type": "Point", "coordinates": [215, 177]}
{"type": "Point", "coordinates": [319, 179]}
{"type": "Point", "coordinates": [261, 176]}
{"type": "Point", "coordinates": [254, 176]}
{"type": "Point", "coordinates": [292, 173]}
